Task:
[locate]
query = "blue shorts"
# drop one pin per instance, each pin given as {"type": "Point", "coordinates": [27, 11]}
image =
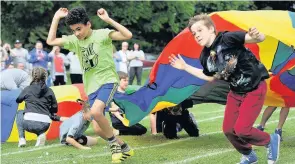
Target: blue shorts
{"type": "Point", "coordinates": [105, 94]}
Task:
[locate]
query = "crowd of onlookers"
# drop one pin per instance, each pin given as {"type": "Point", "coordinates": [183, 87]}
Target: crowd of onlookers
{"type": "Point", "coordinates": [54, 62]}
{"type": "Point", "coordinates": [58, 63]}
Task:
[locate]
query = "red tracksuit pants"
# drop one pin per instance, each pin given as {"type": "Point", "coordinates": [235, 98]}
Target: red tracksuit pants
{"type": "Point", "coordinates": [240, 114]}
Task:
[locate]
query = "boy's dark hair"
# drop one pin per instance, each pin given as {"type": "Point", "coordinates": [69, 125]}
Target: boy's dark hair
{"type": "Point", "coordinates": [77, 15]}
{"type": "Point", "coordinates": [122, 75]}
{"type": "Point", "coordinates": [39, 75]}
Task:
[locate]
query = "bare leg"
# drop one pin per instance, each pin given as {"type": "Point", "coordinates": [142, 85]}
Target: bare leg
{"type": "Point", "coordinates": [99, 132]}
{"type": "Point", "coordinates": [153, 123]}
{"type": "Point", "coordinates": [266, 115]}
{"type": "Point", "coordinates": [283, 116]}
{"type": "Point", "coordinates": [97, 111]}
{"type": "Point", "coordinates": [91, 141]}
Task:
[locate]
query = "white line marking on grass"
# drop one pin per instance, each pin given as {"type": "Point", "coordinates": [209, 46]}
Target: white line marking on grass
{"type": "Point", "coordinates": [164, 144]}
{"type": "Point", "coordinates": [33, 149]}
{"type": "Point", "coordinates": [137, 148]}
{"type": "Point", "coordinates": [211, 154]}
{"type": "Point", "coordinates": [202, 156]}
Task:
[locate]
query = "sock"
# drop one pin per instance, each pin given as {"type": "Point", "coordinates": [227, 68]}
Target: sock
{"type": "Point", "coordinates": [125, 147]}
{"type": "Point", "coordinates": [112, 139]}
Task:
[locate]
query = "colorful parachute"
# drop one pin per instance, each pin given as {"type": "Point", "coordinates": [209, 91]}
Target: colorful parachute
{"type": "Point", "coordinates": [67, 106]}
{"type": "Point", "coordinates": [168, 86]}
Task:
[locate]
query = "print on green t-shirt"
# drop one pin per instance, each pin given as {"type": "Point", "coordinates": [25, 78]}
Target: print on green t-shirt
{"type": "Point", "coordinates": [96, 58]}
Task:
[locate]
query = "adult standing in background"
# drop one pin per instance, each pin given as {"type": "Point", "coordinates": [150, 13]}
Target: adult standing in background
{"type": "Point", "coordinates": [20, 55]}
{"type": "Point", "coordinates": [123, 55]}
{"type": "Point", "coordinates": [9, 51]}
{"type": "Point", "coordinates": [3, 56]}
{"type": "Point", "coordinates": [116, 58]}
{"type": "Point", "coordinates": [39, 57]}
{"type": "Point", "coordinates": [75, 68]}
{"type": "Point", "coordinates": [58, 69]}
{"type": "Point", "coordinates": [135, 65]}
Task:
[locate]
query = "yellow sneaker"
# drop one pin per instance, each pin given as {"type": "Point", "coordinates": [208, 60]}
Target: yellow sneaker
{"type": "Point", "coordinates": [116, 152]}
{"type": "Point", "coordinates": [127, 154]}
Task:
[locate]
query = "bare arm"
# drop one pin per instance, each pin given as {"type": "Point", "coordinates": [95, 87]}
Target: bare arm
{"type": "Point", "coordinates": [198, 73]}
{"type": "Point", "coordinates": [254, 36]}
{"type": "Point", "coordinates": [179, 63]}
{"type": "Point", "coordinates": [142, 56]}
{"type": "Point", "coordinates": [130, 56]}
{"type": "Point", "coordinates": [114, 108]}
{"type": "Point", "coordinates": [51, 39]}
{"type": "Point", "coordinates": [118, 115]}
{"type": "Point", "coordinates": [76, 144]}
{"type": "Point", "coordinates": [122, 34]}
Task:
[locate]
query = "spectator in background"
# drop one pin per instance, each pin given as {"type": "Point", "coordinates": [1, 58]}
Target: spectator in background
{"type": "Point", "coordinates": [123, 55]}
{"type": "Point", "coordinates": [116, 58]}
{"type": "Point", "coordinates": [8, 59]}
{"type": "Point", "coordinates": [39, 57]}
{"type": "Point", "coordinates": [21, 66]}
{"type": "Point", "coordinates": [58, 69]}
{"type": "Point", "coordinates": [3, 56]}
{"type": "Point", "coordinates": [135, 65]}
{"type": "Point", "coordinates": [20, 55]}
{"type": "Point", "coordinates": [75, 68]}
{"type": "Point", "coordinates": [14, 79]}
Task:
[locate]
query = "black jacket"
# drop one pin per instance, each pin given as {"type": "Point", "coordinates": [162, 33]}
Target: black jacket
{"type": "Point", "coordinates": [248, 72]}
{"type": "Point", "coordinates": [39, 99]}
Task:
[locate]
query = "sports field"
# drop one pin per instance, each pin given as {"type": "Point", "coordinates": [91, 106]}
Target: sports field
{"type": "Point", "coordinates": [210, 147]}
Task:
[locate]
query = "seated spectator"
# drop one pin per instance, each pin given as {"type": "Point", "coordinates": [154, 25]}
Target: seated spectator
{"type": "Point", "coordinates": [14, 79]}
{"type": "Point", "coordinates": [40, 108]}
{"type": "Point", "coordinates": [72, 130]}
{"type": "Point", "coordinates": [117, 116]}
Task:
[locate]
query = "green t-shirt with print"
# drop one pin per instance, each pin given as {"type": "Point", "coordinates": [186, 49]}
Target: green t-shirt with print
{"type": "Point", "coordinates": [96, 58]}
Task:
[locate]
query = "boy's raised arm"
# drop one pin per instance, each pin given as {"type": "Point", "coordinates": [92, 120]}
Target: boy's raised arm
{"type": "Point", "coordinates": [122, 34]}
{"type": "Point", "coordinates": [51, 39]}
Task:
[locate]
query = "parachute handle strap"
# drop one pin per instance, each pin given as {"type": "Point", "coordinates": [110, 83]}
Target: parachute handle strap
{"type": "Point", "coordinates": [152, 86]}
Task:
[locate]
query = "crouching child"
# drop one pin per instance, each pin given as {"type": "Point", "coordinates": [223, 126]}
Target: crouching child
{"type": "Point", "coordinates": [72, 130]}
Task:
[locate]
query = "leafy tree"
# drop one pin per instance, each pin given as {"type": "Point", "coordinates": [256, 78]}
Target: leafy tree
{"type": "Point", "coordinates": [153, 23]}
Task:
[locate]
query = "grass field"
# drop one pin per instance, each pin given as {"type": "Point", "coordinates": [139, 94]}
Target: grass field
{"type": "Point", "coordinates": [210, 148]}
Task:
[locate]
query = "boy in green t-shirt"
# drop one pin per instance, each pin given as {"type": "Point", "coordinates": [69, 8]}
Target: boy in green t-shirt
{"type": "Point", "coordinates": [94, 49]}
